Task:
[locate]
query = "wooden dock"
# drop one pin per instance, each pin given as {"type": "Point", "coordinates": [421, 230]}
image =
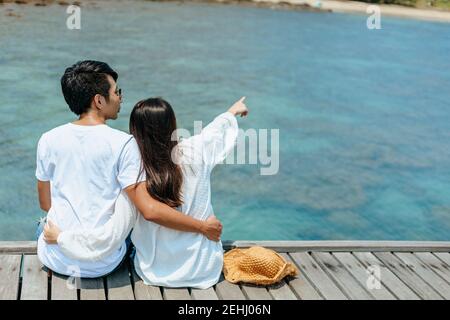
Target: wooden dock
{"type": "Point", "coordinates": [337, 270]}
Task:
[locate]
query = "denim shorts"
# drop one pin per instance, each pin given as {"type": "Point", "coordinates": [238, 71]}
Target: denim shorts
{"type": "Point", "coordinates": [40, 228]}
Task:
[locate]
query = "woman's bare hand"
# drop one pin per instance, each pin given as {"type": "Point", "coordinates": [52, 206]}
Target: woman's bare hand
{"type": "Point", "coordinates": [212, 228]}
{"type": "Point", "coordinates": [239, 108]}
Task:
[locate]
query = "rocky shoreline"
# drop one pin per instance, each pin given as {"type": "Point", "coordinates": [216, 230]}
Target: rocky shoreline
{"type": "Point", "coordinates": [271, 4]}
{"type": "Point", "coordinates": [341, 6]}
{"type": "Point", "coordinates": [41, 2]}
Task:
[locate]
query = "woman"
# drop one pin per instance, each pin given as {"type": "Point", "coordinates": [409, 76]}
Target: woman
{"type": "Point", "coordinates": [178, 174]}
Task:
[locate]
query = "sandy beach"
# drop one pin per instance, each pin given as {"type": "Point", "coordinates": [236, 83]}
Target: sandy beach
{"type": "Point", "coordinates": [361, 7]}
{"type": "Point", "coordinates": [341, 6]}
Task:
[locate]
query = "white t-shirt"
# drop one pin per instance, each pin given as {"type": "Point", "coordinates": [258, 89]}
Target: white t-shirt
{"type": "Point", "coordinates": [87, 167]}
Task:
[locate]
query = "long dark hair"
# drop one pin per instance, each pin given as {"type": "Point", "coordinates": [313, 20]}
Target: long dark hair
{"type": "Point", "coordinates": [152, 123]}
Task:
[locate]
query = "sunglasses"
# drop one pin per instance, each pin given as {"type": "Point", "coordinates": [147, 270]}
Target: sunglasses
{"type": "Point", "coordinates": [118, 91]}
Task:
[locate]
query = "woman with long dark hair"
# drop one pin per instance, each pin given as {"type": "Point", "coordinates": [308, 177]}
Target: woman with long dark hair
{"type": "Point", "coordinates": [177, 173]}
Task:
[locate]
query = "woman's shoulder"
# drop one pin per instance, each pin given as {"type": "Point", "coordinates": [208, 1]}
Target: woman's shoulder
{"type": "Point", "coordinates": [190, 150]}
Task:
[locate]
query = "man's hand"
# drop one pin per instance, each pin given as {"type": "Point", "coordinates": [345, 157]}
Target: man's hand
{"type": "Point", "coordinates": [212, 229]}
{"type": "Point", "coordinates": [51, 232]}
{"type": "Point", "coordinates": [239, 108]}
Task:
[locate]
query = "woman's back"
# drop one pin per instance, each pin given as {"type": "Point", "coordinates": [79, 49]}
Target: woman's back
{"type": "Point", "coordinates": [171, 258]}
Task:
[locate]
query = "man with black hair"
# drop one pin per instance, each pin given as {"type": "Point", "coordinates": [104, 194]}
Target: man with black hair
{"type": "Point", "coordinates": [83, 166]}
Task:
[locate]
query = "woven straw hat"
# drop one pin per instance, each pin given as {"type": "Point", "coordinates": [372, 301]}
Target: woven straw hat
{"type": "Point", "coordinates": [256, 265]}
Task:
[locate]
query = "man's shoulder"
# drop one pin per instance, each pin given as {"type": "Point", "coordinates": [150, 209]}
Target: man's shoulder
{"type": "Point", "coordinates": [55, 132]}
{"type": "Point", "coordinates": [117, 139]}
{"type": "Point", "coordinates": [118, 134]}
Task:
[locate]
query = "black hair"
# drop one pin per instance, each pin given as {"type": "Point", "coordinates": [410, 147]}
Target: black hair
{"type": "Point", "coordinates": [152, 123]}
{"type": "Point", "coordinates": [82, 81]}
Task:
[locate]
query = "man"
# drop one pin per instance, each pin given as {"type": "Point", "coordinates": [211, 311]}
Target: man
{"type": "Point", "coordinates": [83, 166]}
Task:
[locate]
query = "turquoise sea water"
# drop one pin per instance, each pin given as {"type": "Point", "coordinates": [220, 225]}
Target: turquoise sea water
{"type": "Point", "coordinates": [363, 114]}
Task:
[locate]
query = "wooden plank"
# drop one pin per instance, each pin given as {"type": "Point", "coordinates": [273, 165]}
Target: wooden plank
{"type": "Point", "coordinates": [327, 288]}
{"type": "Point", "coordinates": [341, 276]}
{"type": "Point", "coordinates": [255, 292]}
{"type": "Point", "coordinates": [92, 289]}
{"type": "Point", "coordinates": [343, 246]}
{"type": "Point", "coordinates": [425, 273]}
{"type": "Point", "coordinates": [63, 287]}
{"type": "Point", "coordinates": [18, 247]}
{"type": "Point", "coordinates": [228, 291]}
{"type": "Point", "coordinates": [444, 256]}
{"type": "Point", "coordinates": [176, 294]}
{"type": "Point", "coordinates": [119, 284]}
{"type": "Point", "coordinates": [359, 272]}
{"type": "Point", "coordinates": [437, 265]}
{"type": "Point", "coordinates": [388, 278]}
{"type": "Point", "coordinates": [34, 279]}
{"type": "Point", "coordinates": [300, 284]}
{"type": "Point", "coordinates": [407, 276]}
{"type": "Point", "coordinates": [281, 291]}
{"type": "Point", "coordinates": [204, 294]}
{"type": "Point", "coordinates": [9, 276]}
{"type": "Point", "coordinates": [143, 291]}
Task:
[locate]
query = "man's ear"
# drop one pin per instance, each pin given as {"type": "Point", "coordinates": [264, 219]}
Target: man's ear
{"type": "Point", "coordinates": [99, 101]}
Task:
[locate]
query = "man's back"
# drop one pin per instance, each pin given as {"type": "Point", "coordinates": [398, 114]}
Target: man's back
{"type": "Point", "coordinates": [87, 167]}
